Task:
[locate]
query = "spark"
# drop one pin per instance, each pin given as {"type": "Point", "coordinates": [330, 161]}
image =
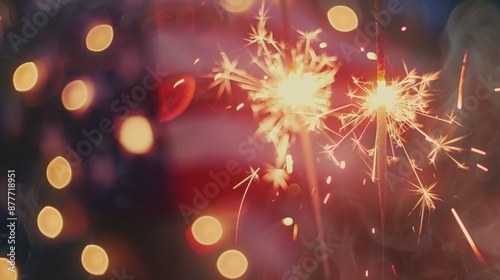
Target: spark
{"type": "Point", "coordinates": [427, 201]}
{"type": "Point", "coordinates": [462, 77]}
{"type": "Point", "coordinates": [497, 90]}
{"type": "Point", "coordinates": [196, 61]}
{"type": "Point", "coordinates": [373, 231]}
{"type": "Point", "coordinates": [441, 144]}
{"type": "Point", "coordinates": [296, 89]}
{"type": "Point", "coordinates": [289, 164]}
{"type": "Point", "coordinates": [482, 167]}
{"type": "Point", "coordinates": [253, 176]}
{"type": "Point", "coordinates": [329, 180]}
{"type": "Point", "coordinates": [478, 151]}
{"type": "Point", "coordinates": [342, 165]}
{"type": "Point", "coordinates": [403, 28]}
{"type": "Point", "coordinates": [295, 231]}
{"type": "Point", "coordinates": [469, 238]}
{"type": "Point", "coordinates": [179, 82]}
{"type": "Point", "coordinates": [277, 175]}
{"type": "Point", "coordinates": [240, 106]}
{"type": "Point", "coordinates": [327, 197]}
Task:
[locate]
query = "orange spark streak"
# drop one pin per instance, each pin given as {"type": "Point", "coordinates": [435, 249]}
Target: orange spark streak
{"type": "Point", "coordinates": [295, 231]}
{"type": "Point", "coordinates": [461, 84]}
{"type": "Point", "coordinates": [497, 89]}
{"type": "Point", "coordinates": [482, 167]}
{"type": "Point", "coordinates": [477, 151]}
{"type": "Point", "coordinates": [469, 238]}
{"type": "Point", "coordinates": [394, 271]}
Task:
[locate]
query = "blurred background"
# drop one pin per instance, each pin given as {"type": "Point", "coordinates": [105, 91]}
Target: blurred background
{"type": "Point", "coordinates": [119, 144]}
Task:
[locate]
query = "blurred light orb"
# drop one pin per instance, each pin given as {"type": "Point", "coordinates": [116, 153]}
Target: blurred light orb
{"type": "Point", "coordinates": [371, 56]}
{"type": "Point", "coordinates": [232, 264]}
{"type": "Point", "coordinates": [207, 230]}
{"type": "Point", "coordinates": [6, 272]}
{"type": "Point", "coordinates": [136, 135]}
{"type": "Point", "coordinates": [50, 222]}
{"type": "Point", "coordinates": [95, 260]}
{"type": "Point", "coordinates": [76, 95]}
{"type": "Point", "coordinates": [287, 221]}
{"type": "Point", "coordinates": [294, 189]}
{"type": "Point", "coordinates": [59, 173]}
{"type": "Point", "coordinates": [236, 6]}
{"type": "Point", "coordinates": [342, 18]}
{"type": "Point", "coordinates": [99, 37]}
{"type": "Point", "coordinates": [25, 77]}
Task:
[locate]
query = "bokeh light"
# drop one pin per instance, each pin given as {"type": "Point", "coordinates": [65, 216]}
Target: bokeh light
{"type": "Point", "coordinates": [371, 56]}
{"type": "Point", "coordinates": [50, 222]}
{"type": "Point", "coordinates": [207, 230]}
{"type": "Point", "coordinates": [95, 260]}
{"type": "Point", "coordinates": [232, 264]}
{"type": "Point", "coordinates": [294, 189]}
{"type": "Point", "coordinates": [5, 273]}
{"type": "Point", "coordinates": [342, 18]}
{"type": "Point", "coordinates": [76, 95]}
{"type": "Point", "coordinates": [287, 221]}
{"type": "Point", "coordinates": [25, 77]}
{"type": "Point", "coordinates": [59, 172]}
{"type": "Point", "coordinates": [136, 135]}
{"type": "Point", "coordinates": [236, 6]}
{"type": "Point", "coordinates": [99, 37]}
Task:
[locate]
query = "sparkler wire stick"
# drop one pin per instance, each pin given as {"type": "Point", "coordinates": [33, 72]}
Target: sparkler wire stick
{"type": "Point", "coordinates": [308, 153]}
{"type": "Point", "coordinates": [314, 192]}
{"type": "Point", "coordinates": [381, 132]}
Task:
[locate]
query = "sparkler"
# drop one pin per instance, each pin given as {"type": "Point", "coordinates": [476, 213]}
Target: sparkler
{"type": "Point", "coordinates": [293, 90]}
{"type": "Point", "coordinates": [399, 107]}
{"type": "Point", "coordinates": [291, 96]}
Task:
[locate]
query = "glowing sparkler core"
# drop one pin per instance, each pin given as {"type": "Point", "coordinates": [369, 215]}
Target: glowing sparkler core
{"type": "Point", "coordinates": [299, 91]}
{"type": "Point", "coordinates": [401, 106]}
{"type": "Point", "coordinates": [290, 96]}
{"type": "Point", "coordinates": [384, 96]}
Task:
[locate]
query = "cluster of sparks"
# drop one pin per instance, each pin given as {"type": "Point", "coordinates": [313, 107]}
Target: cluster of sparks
{"type": "Point", "coordinates": [407, 106]}
{"type": "Point", "coordinates": [292, 94]}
